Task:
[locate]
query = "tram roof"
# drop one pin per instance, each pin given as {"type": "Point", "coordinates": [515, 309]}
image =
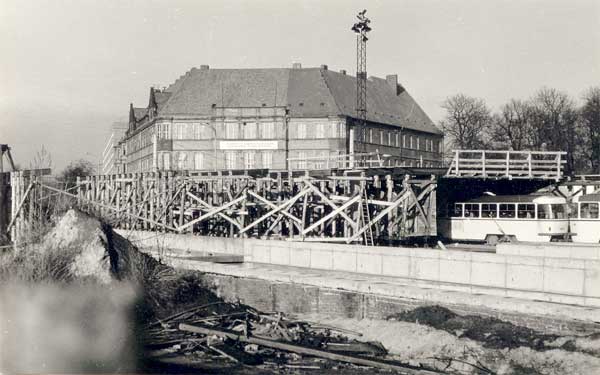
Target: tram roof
{"type": "Point", "coordinates": [588, 198]}
{"type": "Point", "coordinates": [517, 199]}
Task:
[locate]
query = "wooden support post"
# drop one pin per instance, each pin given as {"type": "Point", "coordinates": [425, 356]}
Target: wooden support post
{"type": "Point", "coordinates": [170, 191]}
{"type": "Point", "coordinates": [182, 200]}
{"type": "Point", "coordinates": [457, 163]}
{"type": "Point", "coordinates": [483, 164]}
{"type": "Point", "coordinates": [152, 197]}
{"type": "Point", "coordinates": [389, 185]}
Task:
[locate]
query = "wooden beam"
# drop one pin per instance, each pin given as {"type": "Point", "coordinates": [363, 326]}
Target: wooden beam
{"type": "Point", "coordinates": [237, 336]}
{"type": "Point", "coordinates": [273, 205]}
{"type": "Point", "coordinates": [209, 207]}
{"type": "Point", "coordinates": [402, 197]}
{"type": "Point", "coordinates": [330, 203]}
{"type": "Point", "coordinates": [277, 209]}
{"type": "Point", "coordinates": [334, 213]}
{"type": "Point", "coordinates": [19, 207]}
{"type": "Point", "coordinates": [212, 212]}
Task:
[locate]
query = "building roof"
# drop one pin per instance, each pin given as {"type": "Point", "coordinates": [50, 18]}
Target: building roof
{"type": "Point", "coordinates": [161, 98]}
{"type": "Point", "coordinates": [308, 92]}
{"type": "Point", "coordinates": [139, 112]}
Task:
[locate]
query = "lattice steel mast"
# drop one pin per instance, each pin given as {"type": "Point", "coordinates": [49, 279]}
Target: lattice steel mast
{"type": "Point", "coordinates": [361, 29]}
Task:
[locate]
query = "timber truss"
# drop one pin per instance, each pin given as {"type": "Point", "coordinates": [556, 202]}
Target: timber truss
{"type": "Point", "coordinates": [372, 207]}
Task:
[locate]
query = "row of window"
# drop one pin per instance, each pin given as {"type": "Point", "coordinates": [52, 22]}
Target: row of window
{"type": "Point", "coordinates": [395, 139]}
{"type": "Point", "coordinates": [233, 130]}
{"type": "Point", "coordinates": [267, 130]}
{"type": "Point", "coordinates": [140, 165]}
{"type": "Point", "coordinates": [197, 160]}
{"type": "Point", "coordinates": [140, 140]}
{"type": "Point", "coordinates": [582, 210]}
{"type": "Point", "coordinates": [250, 130]}
{"type": "Point", "coordinates": [509, 210]}
{"type": "Point", "coordinates": [317, 130]}
{"type": "Point", "coordinates": [248, 159]}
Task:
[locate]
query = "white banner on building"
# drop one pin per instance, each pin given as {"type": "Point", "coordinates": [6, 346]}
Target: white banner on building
{"type": "Point", "coordinates": [248, 145]}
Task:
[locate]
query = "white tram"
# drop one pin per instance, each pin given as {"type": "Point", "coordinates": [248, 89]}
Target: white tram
{"type": "Point", "coordinates": [516, 217]}
{"type": "Point", "coordinates": [585, 218]}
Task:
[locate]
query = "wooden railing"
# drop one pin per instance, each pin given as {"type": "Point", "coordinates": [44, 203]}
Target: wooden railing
{"type": "Point", "coordinates": [545, 165]}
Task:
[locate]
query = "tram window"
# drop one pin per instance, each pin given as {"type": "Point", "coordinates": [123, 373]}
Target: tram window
{"type": "Point", "coordinates": [507, 210]}
{"type": "Point", "coordinates": [526, 211]}
{"type": "Point", "coordinates": [489, 210]}
{"type": "Point", "coordinates": [544, 211]}
{"type": "Point", "coordinates": [457, 211]}
{"type": "Point", "coordinates": [471, 210]}
{"type": "Point", "coordinates": [590, 210]}
{"type": "Point", "coordinates": [559, 211]}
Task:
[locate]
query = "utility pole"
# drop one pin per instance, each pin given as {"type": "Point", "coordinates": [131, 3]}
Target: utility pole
{"type": "Point", "coordinates": [361, 29]}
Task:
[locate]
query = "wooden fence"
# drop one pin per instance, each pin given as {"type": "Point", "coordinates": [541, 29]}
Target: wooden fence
{"type": "Point", "coordinates": [543, 165]}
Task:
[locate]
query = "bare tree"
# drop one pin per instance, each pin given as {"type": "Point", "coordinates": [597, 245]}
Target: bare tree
{"type": "Point", "coordinates": [590, 124]}
{"type": "Point", "coordinates": [42, 159]}
{"type": "Point", "coordinates": [512, 127]}
{"type": "Point", "coordinates": [554, 120]}
{"type": "Point", "coordinates": [467, 121]}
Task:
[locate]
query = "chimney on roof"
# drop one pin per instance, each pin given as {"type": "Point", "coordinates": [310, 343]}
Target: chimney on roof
{"type": "Point", "coordinates": [343, 71]}
{"type": "Point", "coordinates": [324, 67]}
{"type": "Point", "coordinates": [392, 80]}
{"type": "Point", "coordinates": [204, 67]}
{"type": "Point", "coordinates": [296, 66]}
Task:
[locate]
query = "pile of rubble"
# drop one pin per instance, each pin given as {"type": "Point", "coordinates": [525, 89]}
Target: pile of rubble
{"type": "Point", "coordinates": [222, 333]}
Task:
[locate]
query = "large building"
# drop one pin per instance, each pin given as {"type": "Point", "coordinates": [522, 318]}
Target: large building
{"type": "Point", "coordinates": [113, 156]}
{"type": "Point", "coordinates": [224, 119]}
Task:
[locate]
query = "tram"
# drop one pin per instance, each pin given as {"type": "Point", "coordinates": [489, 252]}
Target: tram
{"type": "Point", "coordinates": [540, 218]}
{"type": "Point", "coordinates": [585, 218]}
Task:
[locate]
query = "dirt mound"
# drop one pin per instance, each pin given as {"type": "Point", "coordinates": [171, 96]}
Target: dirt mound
{"type": "Point", "coordinates": [491, 332]}
{"type": "Point", "coordinates": [82, 240]}
{"type": "Point", "coordinates": [82, 248]}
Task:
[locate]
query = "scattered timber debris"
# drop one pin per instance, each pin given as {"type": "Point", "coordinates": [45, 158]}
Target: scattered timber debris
{"type": "Point", "coordinates": [243, 336]}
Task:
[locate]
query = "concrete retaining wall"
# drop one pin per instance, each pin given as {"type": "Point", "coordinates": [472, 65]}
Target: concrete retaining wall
{"type": "Point", "coordinates": [572, 281]}
{"type": "Point", "coordinates": [571, 250]}
{"type": "Point", "coordinates": [294, 298]}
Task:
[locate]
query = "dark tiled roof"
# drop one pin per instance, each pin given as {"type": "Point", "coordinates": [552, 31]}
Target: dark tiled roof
{"type": "Point", "coordinates": [140, 112]}
{"type": "Point", "coordinates": [200, 89]}
{"type": "Point", "coordinates": [383, 105]}
{"type": "Point", "coordinates": [309, 92]}
{"type": "Point", "coordinates": [161, 98]}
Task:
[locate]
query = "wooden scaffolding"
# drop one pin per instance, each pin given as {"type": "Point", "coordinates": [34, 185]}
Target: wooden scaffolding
{"type": "Point", "coordinates": [369, 207]}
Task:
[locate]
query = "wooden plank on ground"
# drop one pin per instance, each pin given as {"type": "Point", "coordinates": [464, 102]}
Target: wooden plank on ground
{"type": "Point", "coordinates": [378, 363]}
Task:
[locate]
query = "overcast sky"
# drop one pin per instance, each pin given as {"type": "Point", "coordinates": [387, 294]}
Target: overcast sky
{"type": "Point", "coordinates": [68, 69]}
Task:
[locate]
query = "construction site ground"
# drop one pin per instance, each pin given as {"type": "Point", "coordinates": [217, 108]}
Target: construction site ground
{"type": "Point", "coordinates": [373, 294]}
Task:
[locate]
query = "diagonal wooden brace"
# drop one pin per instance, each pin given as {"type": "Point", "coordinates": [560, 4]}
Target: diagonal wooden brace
{"type": "Point", "coordinates": [212, 212]}
{"type": "Point", "coordinates": [276, 209]}
{"type": "Point", "coordinates": [330, 203]}
{"type": "Point", "coordinates": [207, 205]}
{"type": "Point", "coordinates": [333, 213]}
